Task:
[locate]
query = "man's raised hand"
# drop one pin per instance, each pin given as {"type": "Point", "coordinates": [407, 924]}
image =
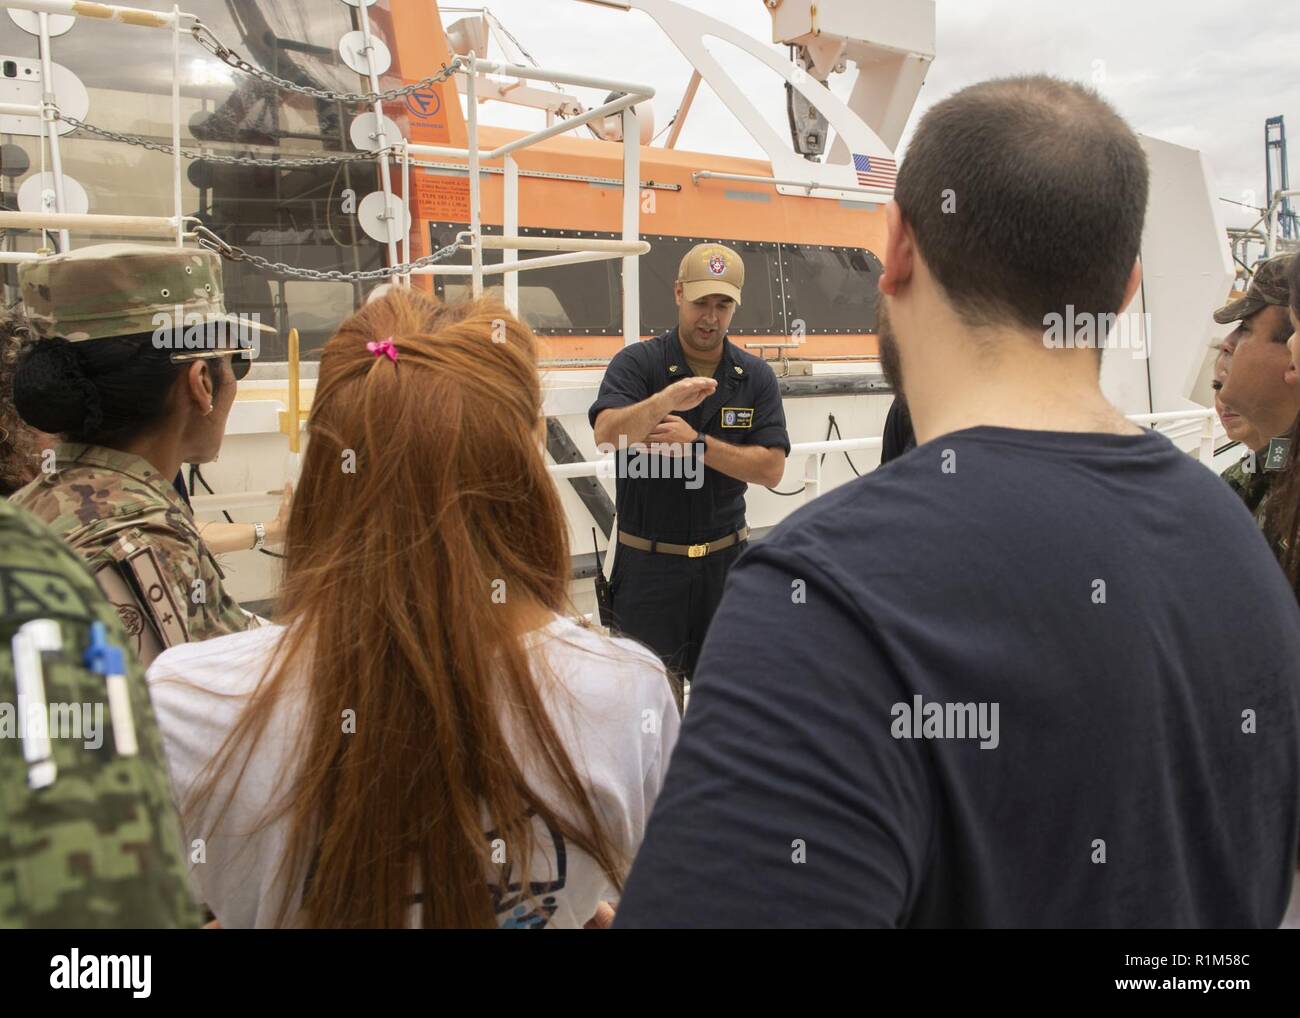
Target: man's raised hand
{"type": "Point", "coordinates": [690, 392]}
{"type": "Point", "coordinates": [633, 424]}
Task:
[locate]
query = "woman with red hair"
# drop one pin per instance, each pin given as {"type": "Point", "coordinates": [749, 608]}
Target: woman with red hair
{"type": "Point", "coordinates": [426, 738]}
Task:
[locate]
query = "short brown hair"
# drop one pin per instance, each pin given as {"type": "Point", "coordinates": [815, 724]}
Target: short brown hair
{"type": "Point", "coordinates": [1049, 186]}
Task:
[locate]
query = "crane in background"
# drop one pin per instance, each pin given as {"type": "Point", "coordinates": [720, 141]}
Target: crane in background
{"type": "Point", "coordinates": [1275, 160]}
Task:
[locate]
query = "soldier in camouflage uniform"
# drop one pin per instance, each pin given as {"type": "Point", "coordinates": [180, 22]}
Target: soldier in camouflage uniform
{"type": "Point", "coordinates": [120, 513]}
{"type": "Point", "coordinates": [116, 508]}
{"type": "Point", "coordinates": [1248, 482]}
{"type": "Point", "coordinates": [99, 845]}
{"type": "Point", "coordinates": [1252, 476]}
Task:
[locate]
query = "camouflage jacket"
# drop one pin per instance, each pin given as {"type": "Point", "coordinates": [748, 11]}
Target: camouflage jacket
{"type": "Point", "coordinates": [1251, 486]}
{"type": "Point", "coordinates": [117, 511]}
{"type": "Point", "coordinates": [101, 846]}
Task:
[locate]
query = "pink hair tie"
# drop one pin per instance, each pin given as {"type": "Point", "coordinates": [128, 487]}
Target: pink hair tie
{"type": "Point", "coordinates": [384, 347]}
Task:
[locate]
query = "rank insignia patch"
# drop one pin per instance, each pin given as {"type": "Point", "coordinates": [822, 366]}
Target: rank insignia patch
{"type": "Point", "coordinates": [1275, 458]}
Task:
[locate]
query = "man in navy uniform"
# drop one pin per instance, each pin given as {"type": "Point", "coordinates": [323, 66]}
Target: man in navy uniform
{"type": "Point", "coordinates": [694, 420]}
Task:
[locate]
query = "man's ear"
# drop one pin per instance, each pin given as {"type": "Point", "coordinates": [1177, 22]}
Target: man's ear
{"type": "Point", "coordinates": [900, 248]}
{"type": "Point", "coordinates": [1131, 287]}
{"type": "Point", "coordinates": [198, 384]}
{"type": "Point", "coordinates": [677, 293]}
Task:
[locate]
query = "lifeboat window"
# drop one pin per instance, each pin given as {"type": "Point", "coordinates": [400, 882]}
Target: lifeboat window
{"type": "Point", "coordinates": [760, 313]}
{"type": "Point", "coordinates": [563, 300]}
{"type": "Point", "coordinates": [831, 289]}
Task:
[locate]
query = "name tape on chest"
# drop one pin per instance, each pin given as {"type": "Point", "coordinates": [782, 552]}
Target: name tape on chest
{"type": "Point", "coordinates": [737, 416]}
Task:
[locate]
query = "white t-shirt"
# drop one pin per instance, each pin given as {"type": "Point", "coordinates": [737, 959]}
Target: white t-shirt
{"type": "Point", "coordinates": [612, 707]}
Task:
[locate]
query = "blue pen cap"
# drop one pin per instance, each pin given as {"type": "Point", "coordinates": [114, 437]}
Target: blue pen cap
{"type": "Point", "coordinates": [102, 657]}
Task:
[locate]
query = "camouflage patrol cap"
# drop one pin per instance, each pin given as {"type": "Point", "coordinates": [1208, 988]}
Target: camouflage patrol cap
{"type": "Point", "coordinates": [119, 289]}
{"type": "Point", "coordinates": [711, 268]}
{"type": "Point", "coordinates": [1267, 286]}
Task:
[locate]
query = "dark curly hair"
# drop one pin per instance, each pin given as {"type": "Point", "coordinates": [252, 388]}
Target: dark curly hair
{"type": "Point", "coordinates": [18, 446]}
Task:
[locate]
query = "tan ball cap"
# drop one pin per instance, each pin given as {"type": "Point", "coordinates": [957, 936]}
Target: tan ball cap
{"type": "Point", "coordinates": [711, 268]}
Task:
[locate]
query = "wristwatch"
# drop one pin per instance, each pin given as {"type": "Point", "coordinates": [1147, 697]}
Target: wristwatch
{"type": "Point", "coordinates": [259, 536]}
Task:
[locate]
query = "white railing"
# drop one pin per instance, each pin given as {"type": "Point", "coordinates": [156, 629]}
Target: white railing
{"type": "Point", "coordinates": [1205, 445]}
{"type": "Point", "coordinates": [812, 452]}
{"type": "Point", "coordinates": [137, 17]}
{"type": "Point", "coordinates": [629, 248]}
{"type": "Point", "coordinates": [578, 251]}
{"type": "Point", "coordinates": [125, 226]}
{"type": "Point", "coordinates": [1274, 219]}
{"type": "Point", "coordinates": [20, 110]}
{"type": "Point", "coordinates": [106, 12]}
{"type": "Point", "coordinates": [809, 185]}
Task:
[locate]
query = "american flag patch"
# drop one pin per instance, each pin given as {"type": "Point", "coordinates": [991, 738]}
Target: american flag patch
{"type": "Point", "coordinates": [875, 171]}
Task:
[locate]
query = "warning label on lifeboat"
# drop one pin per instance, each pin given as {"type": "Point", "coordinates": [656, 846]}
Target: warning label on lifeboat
{"type": "Point", "coordinates": [441, 199]}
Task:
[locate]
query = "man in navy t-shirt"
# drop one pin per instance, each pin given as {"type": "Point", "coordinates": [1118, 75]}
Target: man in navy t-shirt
{"type": "Point", "coordinates": [1042, 671]}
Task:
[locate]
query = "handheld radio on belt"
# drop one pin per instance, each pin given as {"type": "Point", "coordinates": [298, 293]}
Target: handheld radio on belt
{"type": "Point", "coordinates": [604, 603]}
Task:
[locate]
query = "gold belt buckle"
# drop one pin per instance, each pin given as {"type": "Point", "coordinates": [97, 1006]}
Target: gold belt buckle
{"type": "Point", "coordinates": [697, 551]}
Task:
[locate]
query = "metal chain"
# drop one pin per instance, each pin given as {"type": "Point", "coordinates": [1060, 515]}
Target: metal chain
{"type": "Point", "coordinates": [231, 252]}
{"type": "Point", "coordinates": [204, 37]}
{"type": "Point", "coordinates": [216, 157]}
{"type": "Point", "coordinates": [206, 238]}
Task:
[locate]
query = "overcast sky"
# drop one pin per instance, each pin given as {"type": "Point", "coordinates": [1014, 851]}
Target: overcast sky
{"type": "Point", "coordinates": [1202, 73]}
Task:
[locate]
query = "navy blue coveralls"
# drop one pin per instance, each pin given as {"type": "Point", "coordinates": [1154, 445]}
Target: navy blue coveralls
{"type": "Point", "coordinates": [667, 601]}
